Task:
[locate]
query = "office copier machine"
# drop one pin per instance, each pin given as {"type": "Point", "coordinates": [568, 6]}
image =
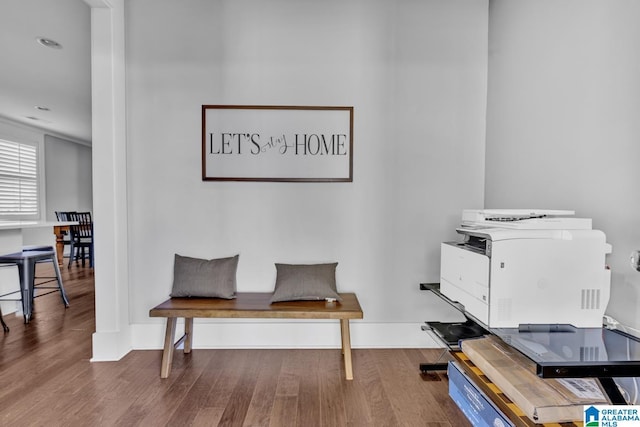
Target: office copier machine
{"type": "Point", "coordinates": [518, 267]}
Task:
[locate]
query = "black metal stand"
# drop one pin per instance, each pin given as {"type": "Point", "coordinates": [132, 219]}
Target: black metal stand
{"type": "Point", "coordinates": [436, 366]}
{"type": "Point", "coordinates": [613, 392]}
{"type": "Point", "coordinates": [603, 372]}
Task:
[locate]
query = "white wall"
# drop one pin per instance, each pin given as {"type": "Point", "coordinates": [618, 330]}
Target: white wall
{"type": "Point", "coordinates": [562, 121]}
{"type": "Point", "coordinates": [68, 176]}
{"type": "Point", "coordinates": [416, 75]}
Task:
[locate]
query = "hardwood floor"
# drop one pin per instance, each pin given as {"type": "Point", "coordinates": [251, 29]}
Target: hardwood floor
{"type": "Point", "coordinates": [46, 378]}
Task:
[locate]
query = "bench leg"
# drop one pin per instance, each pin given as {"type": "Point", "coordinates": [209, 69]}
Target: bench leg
{"type": "Point", "coordinates": [346, 348]}
{"type": "Point", "coordinates": [188, 328]}
{"type": "Point", "coordinates": [342, 323]}
{"type": "Point", "coordinates": [167, 354]}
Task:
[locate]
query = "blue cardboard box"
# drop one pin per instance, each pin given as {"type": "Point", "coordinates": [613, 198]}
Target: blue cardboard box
{"type": "Point", "coordinates": [475, 405]}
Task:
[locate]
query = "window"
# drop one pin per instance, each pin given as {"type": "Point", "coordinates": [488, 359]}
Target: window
{"type": "Point", "coordinates": [18, 181]}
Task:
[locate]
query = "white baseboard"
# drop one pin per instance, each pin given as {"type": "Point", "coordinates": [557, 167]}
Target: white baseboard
{"type": "Point", "coordinates": [211, 334]}
{"type": "Point", "coordinates": [110, 346]}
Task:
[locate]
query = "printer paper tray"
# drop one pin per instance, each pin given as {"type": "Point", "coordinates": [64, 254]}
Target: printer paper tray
{"type": "Point", "coordinates": [450, 333]}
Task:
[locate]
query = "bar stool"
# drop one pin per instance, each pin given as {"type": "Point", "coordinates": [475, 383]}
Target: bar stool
{"type": "Point", "coordinates": [26, 262]}
{"type": "Point", "coordinates": [49, 279]}
{"type": "Point", "coordinates": [56, 268]}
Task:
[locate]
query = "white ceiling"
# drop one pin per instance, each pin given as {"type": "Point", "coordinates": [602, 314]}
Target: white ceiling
{"type": "Point", "coordinates": [33, 75]}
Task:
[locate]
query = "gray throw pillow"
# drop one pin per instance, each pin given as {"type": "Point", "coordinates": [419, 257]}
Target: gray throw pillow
{"type": "Point", "coordinates": [305, 282]}
{"type": "Point", "coordinates": [194, 277]}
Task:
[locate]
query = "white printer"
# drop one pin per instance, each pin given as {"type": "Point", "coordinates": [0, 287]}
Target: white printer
{"type": "Point", "coordinates": [518, 267]}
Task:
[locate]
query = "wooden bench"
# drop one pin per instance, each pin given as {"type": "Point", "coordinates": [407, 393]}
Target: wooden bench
{"type": "Point", "coordinates": [252, 305]}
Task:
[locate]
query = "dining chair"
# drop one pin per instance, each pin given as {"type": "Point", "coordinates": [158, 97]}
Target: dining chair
{"type": "Point", "coordinates": [81, 238]}
{"type": "Point", "coordinates": [64, 216]}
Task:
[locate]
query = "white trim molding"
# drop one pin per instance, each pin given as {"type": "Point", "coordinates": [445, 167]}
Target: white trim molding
{"type": "Point", "coordinates": [233, 333]}
{"type": "Point", "coordinates": [112, 338]}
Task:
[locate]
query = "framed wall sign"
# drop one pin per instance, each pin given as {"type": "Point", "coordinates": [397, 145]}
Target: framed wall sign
{"type": "Point", "coordinates": [277, 143]}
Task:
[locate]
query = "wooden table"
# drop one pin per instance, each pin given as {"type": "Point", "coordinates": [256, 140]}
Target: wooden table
{"type": "Point", "coordinates": [252, 305]}
{"type": "Point", "coordinates": [61, 229]}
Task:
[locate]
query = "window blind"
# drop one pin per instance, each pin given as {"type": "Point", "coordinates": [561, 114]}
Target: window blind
{"type": "Point", "coordinates": [18, 180]}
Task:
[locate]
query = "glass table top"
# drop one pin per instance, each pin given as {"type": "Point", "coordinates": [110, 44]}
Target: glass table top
{"type": "Point", "coordinates": [566, 351]}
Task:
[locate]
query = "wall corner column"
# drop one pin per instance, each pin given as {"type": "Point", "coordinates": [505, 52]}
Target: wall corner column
{"type": "Point", "coordinates": [112, 338]}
